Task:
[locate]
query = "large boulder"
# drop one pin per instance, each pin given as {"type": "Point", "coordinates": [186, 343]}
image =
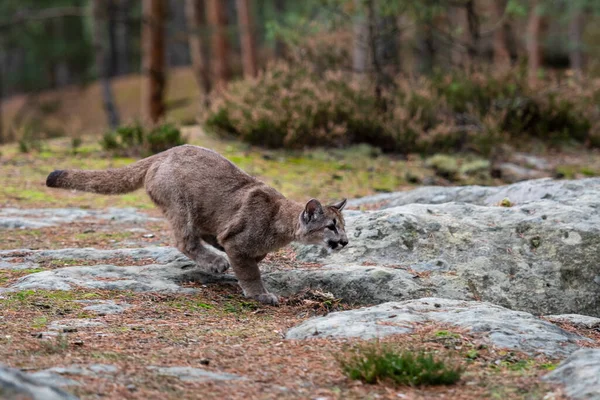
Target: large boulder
{"type": "Point", "coordinates": [580, 373]}
{"type": "Point", "coordinates": [502, 327]}
{"type": "Point", "coordinates": [15, 384]}
{"type": "Point", "coordinates": [542, 255]}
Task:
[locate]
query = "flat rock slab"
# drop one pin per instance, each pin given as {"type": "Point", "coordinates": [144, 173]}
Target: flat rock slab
{"type": "Point", "coordinates": [580, 373]}
{"type": "Point", "coordinates": [580, 321]}
{"type": "Point", "coordinates": [83, 370]}
{"type": "Point", "coordinates": [353, 283]}
{"type": "Point", "coordinates": [31, 258]}
{"type": "Point", "coordinates": [70, 325]}
{"type": "Point", "coordinates": [104, 307]}
{"type": "Point", "coordinates": [190, 374]}
{"type": "Point", "coordinates": [15, 384]}
{"type": "Point", "coordinates": [503, 327]}
{"type": "Point", "coordinates": [562, 191]}
{"type": "Point", "coordinates": [52, 378]}
{"type": "Point", "coordinates": [149, 278]}
{"type": "Point", "coordinates": [14, 218]}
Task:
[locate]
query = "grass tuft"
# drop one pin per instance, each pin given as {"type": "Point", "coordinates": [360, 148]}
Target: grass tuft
{"type": "Point", "coordinates": [374, 363]}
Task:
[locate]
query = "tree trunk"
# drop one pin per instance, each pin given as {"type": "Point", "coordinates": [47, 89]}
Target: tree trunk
{"type": "Point", "coordinates": [427, 47]}
{"type": "Point", "coordinates": [112, 14]}
{"type": "Point", "coordinates": [459, 40]}
{"type": "Point", "coordinates": [406, 44]}
{"type": "Point", "coordinates": [122, 37]}
{"type": "Point", "coordinates": [534, 53]}
{"type": "Point", "coordinates": [177, 49]}
{"type": "Point", "coordinates": [279, 45]}
{"type": "Point", "coordinates": [217, 19]}
{"type": "Point", "coordinates": [1, 95]}
{"type": "Point", "coordinates": [360, 54]}
{"type": "Point", "coordinates": [248, 44]}
{"type": "Point", "coordinates": [575, 43]}
{"type": "Point", "coordinates": [153, 59]}
{"type": "Point", "coordinates": [62, 72]}
{"type": "Point", "coordinates": [102, 65]}
{"type": "Point", "coordinates": [199, 52]}
{"type": "Point", "coordinates": [474, 33]}
{"type": "Point", "coordinates": [501, 52]}
{"type": "Point", "coordinates": [372, 43]}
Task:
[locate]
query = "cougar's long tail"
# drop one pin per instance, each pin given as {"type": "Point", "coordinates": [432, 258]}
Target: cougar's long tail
{"type": "Point", "coordinates": [108, 181]}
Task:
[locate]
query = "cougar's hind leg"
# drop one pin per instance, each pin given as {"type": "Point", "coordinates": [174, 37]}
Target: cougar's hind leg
{"type": "Point", "coordinates": [212, 240]}
{"type": "Point", "coordinates": [189, 242]}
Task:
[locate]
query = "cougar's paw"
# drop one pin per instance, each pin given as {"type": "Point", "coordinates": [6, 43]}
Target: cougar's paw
{"type": "Point", "coordinates": [214, 265]}
{"type": "Point", "coordinates": [267, 298]}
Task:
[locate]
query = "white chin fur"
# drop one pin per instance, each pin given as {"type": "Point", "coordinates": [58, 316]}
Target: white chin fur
{"type": "Point", "coordinates": [326, 247]}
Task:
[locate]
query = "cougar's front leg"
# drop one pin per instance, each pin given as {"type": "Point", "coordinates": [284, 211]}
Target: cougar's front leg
{"type": "Point", "coordinates": [248, 275]}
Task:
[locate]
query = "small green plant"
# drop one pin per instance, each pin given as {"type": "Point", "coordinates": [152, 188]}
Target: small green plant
{"type": "Point", "coordinates": [55, 346]}
{"type": "Point", "coordinates": [123, 138]}
{"type": "Point", "coordinates": [75, 144]}
{"type": "Point", "coordinates": [549, 366]}
{"type": "Point", "coordinates": [39, 322]}
{"type": "Point", "coordinates": [24, 295]}
{"type": "Point", "coordinates": [375, 363]}
{"type": "Point", "coordinates": [506, 202]}
{"type": "Point", "coordinates": [472, 354]}
{"type": "Point", "coordinates": [204, 306]}
{"type": "Point", "coordinates": [444, 165]}
{"type": "Point", "coordinates": [132, 140]}
{"type": "Point", "coordinates": [162, 138]}
{"type": "Point", "coordinates": [517, 365]}
{"type": "Point", "coordinates": [27, 144]}
{"type": "Point", "coordinates": [239, 307]}
{"type": "Point", "coordinates": [446, 334]}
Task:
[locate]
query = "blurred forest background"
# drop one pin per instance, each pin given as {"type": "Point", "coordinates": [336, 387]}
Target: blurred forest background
{"type": "Point", "coordinates": [403, 76]}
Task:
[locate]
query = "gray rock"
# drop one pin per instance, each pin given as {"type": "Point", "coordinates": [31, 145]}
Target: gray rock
{"type": "Point", "coordinates": [542, 256]}
{"type": "Point", "coordinates": [155, 277]}
{"type": "Point", "coordinates": [67, 325]}
{"type": "Point", "coordinates": [16, 384]}
{"type": "Point", "coordinates": [190, 374]}
{"type": "Point", "coordinates": [83, 370]}
{"type": "Point", "coordinates": [511, 173]}
{"type": "Point", "coordinates": [13, 218]}
{"type": "Point", "coordinates": [581, 321]}
{"type": "Point", "coordinates": [353, 283]}
{"type": "Point", "coordinates": [531, 161]}
{"type": "Point", "coordinates": [502, 327]}
{"type": "Point", "coordinates": [47, 334]}
{"type": "Point", "coordinates": [580, 373]}
{"type": "Point", "coordinates": [51, 378]}
{"type": "Point", "coordinates": [104, 307]}
{"type": "Point", "coordinates": [562, 191]}
{"type": "Point", "coordinates": [6, 264]}
{"type": "Point", "coordinates": [159, 254]}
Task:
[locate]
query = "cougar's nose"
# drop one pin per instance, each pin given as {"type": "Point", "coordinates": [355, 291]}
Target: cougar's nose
{"type": "Point", "coordinates": [343, 243]}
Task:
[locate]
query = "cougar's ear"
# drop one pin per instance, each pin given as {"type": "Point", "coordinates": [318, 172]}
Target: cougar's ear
{"type": "Point", "coordinates": [312, 209]}
{"type": "Point", "coordinates": [340, 205]}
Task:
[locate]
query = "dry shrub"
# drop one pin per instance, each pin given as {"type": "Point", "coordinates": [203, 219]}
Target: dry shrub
{"type": "Point", "coordinates": [298, 106]}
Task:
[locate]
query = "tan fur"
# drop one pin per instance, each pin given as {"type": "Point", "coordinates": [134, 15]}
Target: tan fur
{"type": "Point", "coordinates": [206, 198]}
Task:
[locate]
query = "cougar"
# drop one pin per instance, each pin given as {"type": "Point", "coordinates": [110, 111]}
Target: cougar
{"type": "Point", "coordinates": [208, 200]}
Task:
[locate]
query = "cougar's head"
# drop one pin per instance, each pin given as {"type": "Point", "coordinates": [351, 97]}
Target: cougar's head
{"type": "Point", "coordinates": [323, 225]}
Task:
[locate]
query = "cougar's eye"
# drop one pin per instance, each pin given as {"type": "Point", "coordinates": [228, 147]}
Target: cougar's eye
{"type": "Point", "coordinates": [332, 226]}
